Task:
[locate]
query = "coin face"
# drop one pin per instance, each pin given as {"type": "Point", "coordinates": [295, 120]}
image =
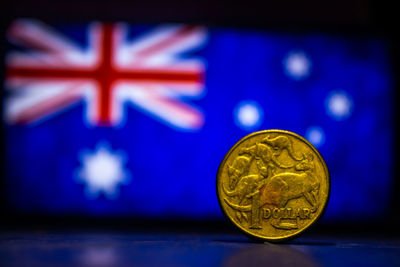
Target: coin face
{"type": "Point", "coordinates": [273, 185]}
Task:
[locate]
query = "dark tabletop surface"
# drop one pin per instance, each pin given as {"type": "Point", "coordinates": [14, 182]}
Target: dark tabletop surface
{"type": "Point", "coordinates": [139, 248]}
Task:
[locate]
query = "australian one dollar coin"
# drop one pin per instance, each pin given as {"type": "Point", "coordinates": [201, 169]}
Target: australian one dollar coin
{"type": "Point", "coordinates": [273, 185]}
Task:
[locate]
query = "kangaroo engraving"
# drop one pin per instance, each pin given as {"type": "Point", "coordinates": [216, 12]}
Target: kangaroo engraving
{"type": "Point", "coordinates": [239, 168]}
{"type": "Point", "coordinates": [247, 185]}
{"type": "Point", "coordinates": [281, 188]}
{"type": "Point", "coordinates": [241, 184]}
{"type": "Point", "coordinates": [280, 143]}
{"type": "Point", "coordinates": [264, 153]}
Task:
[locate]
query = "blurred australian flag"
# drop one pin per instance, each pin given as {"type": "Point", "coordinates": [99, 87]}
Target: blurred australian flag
{"type": "Point", "coordinates": [133, 120]}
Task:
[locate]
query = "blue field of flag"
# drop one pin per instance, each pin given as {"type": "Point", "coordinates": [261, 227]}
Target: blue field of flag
{"type": "Point", "coordinates": [124, 120]}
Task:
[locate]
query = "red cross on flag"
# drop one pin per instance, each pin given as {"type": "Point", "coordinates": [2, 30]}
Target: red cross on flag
{"type": "Point", "coordinates": [111, 72]}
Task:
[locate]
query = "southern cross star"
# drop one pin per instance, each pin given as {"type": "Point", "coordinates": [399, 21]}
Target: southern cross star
{"type": "Point", "coordinates": [103, 171]}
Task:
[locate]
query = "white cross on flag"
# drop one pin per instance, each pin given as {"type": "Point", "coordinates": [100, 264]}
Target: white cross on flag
{"type": "Point", "coordinates": [148, 72]}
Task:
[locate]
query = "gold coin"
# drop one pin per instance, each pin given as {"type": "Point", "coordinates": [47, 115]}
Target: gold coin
{"type": "Point", "coordinates": [273, 185]}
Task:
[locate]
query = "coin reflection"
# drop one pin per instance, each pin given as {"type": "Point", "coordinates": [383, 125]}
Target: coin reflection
{"type": "Point", "coordinates": [99, 256]}
{"type": "Point", "coordinates": [269, 255]}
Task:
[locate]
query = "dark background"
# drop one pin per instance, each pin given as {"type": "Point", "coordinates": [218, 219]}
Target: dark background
{"type": "Point", "coordinates": [344, 18]}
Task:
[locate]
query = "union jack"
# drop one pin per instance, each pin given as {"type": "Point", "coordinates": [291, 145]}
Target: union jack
{"type": "Point", "coordinates": [112, 71]}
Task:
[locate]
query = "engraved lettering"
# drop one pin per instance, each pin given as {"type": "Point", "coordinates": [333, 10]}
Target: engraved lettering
{"type": "Point", "coordinates": [255, 211]}
{"type": "Point", "coordinates": [266, 213]}
{"type": "Point", "coordinates": [275, 213]}
{"type": "Point", "coordinates": [306, 213]}
{"type": "Point", "coordinates": [289, 212]}
{"type": "Point", "coordinates": [263, 177]}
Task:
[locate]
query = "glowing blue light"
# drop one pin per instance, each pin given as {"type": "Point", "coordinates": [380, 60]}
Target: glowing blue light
{"type": "Point", "coordinates": [339, 105]}
{"type": "Point", "coordinates": [297, 65]}
{"type": "Point", "coordinates": [316, 136]}
{"type": "Point", "coordinates": [102, 171]}
{"type": "Point", "coordinates": [248, 115]}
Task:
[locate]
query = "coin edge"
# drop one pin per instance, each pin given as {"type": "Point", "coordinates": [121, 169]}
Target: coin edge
{"type": "Point", "coordinates": [285, 238]}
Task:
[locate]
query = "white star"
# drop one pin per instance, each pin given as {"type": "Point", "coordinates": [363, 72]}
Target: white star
{"type": "Point", "coordinates": [248, 115]}
{"type": "Point", "coordinates": [103, 171]}
{"type": "Point", "coordinates": [339, 105]}
{"type": "Point", "coordinates": [315, 135]}
{"type": "Point", "coordinates": [297, 65]}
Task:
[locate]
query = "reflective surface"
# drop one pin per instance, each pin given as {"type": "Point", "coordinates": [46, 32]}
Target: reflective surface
{"type": "Point", "coordinates": [183, 249]}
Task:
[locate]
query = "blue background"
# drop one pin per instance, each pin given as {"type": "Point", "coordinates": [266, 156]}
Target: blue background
{"type": "Point", "coordinates": [173, 172]}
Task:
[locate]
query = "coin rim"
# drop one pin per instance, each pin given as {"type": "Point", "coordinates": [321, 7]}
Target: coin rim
{"type": "Point", "coordinates": [259, 237]}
